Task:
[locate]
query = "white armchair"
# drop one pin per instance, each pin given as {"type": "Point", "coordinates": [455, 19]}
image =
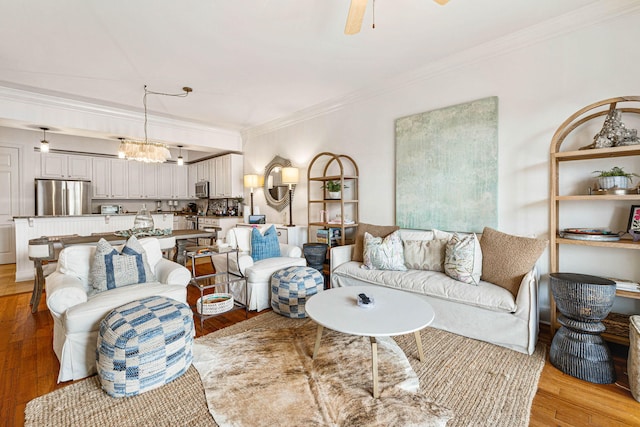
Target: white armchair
{"type": "Point", "coordinates": [77, 315]}
{"type": "Point", "coordinates": [258, 273]}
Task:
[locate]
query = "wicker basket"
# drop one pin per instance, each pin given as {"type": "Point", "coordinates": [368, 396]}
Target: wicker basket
{"type": "Point", "coordinates": [214, 304]}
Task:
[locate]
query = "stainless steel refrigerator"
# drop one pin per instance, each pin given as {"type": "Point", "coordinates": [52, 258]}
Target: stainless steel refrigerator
{"type": "Point", "coordinates": [62, 197]}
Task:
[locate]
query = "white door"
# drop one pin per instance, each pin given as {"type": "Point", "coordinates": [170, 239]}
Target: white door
{"type": "Point", "coordinates": [8, 203]}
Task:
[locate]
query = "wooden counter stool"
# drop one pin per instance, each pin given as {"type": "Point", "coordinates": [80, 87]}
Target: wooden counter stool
{"type": "Point", "coordinates": [40, 249]}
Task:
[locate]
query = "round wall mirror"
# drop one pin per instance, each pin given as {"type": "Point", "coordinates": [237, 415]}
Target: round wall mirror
{"type": "Point", "coordinates": [275, 192]}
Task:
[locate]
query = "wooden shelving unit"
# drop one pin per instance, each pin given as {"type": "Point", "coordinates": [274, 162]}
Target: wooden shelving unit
{"type": "Point", "coordinates": [582, 116]}
{"type": "Point", "coordinates": [332, 167]}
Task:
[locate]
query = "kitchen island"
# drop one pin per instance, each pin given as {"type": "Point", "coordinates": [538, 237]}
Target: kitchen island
{"type": "Point", "coordinates": [31, 227]}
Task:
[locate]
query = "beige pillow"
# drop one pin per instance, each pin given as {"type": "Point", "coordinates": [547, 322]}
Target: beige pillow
{"type": "Point", "coordinates": [375, 231]}
{"type": "Point", "coordinates": [507, 258]}
{"type": "Point", "coordinates": [425, 254]}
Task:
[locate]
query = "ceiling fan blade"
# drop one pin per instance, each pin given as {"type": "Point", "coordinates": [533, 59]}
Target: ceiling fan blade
{"type": "Point", "coordinates": [355, 17]}
{"type": "Point", "coordinates": [441, 2]}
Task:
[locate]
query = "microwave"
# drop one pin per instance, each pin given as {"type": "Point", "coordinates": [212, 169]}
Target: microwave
{"type": "Point", "coordinates": [202, 189]}
{"type": "Point", "coordinates": [110, 209]}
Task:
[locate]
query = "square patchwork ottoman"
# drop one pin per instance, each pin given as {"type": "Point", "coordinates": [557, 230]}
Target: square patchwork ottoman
{"type": "Point", "coordinates": [291, 287]}
{"type": "Point", "coordinates": [143, 345]}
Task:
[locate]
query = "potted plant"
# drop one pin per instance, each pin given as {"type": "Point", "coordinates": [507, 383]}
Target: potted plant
{"type": "Point", "coordinates": [615, 177]}
{"type": "Point", "coordinates": [334, 188]}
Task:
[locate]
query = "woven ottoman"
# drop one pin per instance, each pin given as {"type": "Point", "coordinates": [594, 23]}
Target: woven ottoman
{"type": "Point", "coordinates": [290, 288]}
{"type": "Point", "coordinates": [143, 345]}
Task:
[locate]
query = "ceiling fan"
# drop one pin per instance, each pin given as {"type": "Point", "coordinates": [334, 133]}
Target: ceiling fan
{"type": "Point", "coordinates": [356, 15]}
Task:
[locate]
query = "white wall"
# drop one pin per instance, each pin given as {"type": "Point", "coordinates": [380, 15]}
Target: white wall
{"type": "Point", "coordinates": [539, 86]}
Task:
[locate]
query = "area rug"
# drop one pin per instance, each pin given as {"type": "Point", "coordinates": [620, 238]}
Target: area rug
{"type": "Point", "coordinates": [482, 384]}
{"type": "Point", "coordinates": [267, 375]}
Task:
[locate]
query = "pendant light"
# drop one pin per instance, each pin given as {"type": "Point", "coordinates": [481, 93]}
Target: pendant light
{"type": "Point", "coordinates": [44, 144]}
{"type": "Point", "coordinates": [180, 159]}
{"type": "Point", "coordinates": [146, 150]}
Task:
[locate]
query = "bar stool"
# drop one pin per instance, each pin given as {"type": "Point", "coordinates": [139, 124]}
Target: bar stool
{"type": "Point", "coordinates": [40, 249]}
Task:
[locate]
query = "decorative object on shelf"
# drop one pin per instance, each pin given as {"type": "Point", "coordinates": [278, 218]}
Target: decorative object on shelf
{"type": "Point", "coordinates": [44, 144]}
{"type": "Point", "coordinates": [251, 181]}
{"type": "Point", "coordinates": [148, 151]}
{"type": "Point", "coordinates": [593, 234]}
{"type": "Point", "coordinates": [614, 133]}
{"type": "Point", "coordinates": [275, 191]}
{"type": "Point", "coordinates": [577, 348]}
{"type": "Point", "coordinates": [334, 188]}
{"type": "Point", "coordinates": [634, 220]}
{"type": "Point", "coordinates": [290, 176]}
{"type": "Point", "coordinates": [615, 177]}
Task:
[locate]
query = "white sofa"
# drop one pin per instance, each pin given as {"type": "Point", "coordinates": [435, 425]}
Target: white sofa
{"type": "Point", "coordinates": [486, 312]}
{"type": "Point", "coordinates": [257, 273]}
{"type": "Point", "coordinates": [77, 316]}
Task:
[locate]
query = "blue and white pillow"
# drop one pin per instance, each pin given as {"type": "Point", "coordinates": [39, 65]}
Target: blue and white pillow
{"type": "Point", "coordinates": [111, 269]}
{"type": "Point", "coordinates": [264, 246]}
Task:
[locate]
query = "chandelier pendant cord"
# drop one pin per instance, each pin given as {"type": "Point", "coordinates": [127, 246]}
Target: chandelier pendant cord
{"type": "Point", "coordinates": [186, 91]}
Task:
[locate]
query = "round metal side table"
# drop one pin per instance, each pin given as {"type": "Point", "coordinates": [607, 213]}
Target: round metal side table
{"type": "Point", "coordinates": [577, 348]}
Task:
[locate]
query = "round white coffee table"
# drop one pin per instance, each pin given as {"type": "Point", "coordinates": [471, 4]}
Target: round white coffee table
{"type": "Point", "coordinates": [394, 313]}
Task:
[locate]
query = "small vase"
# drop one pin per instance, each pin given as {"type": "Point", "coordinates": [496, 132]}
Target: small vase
{"type": "Point", "coordinates": [335, 194]}
{"type": "Point", "coordinates": [606, 182]}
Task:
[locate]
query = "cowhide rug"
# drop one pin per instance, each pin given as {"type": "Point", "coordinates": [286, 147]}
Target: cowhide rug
{"type": "Point", "coordinates": [267, 377]}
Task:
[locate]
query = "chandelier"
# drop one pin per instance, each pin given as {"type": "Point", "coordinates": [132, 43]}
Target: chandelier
{"type": "Point", "coordinates": [148, 151]}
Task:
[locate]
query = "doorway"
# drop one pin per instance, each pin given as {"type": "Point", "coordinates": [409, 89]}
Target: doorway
{"type": "Point", "coordinates": [9, 207]}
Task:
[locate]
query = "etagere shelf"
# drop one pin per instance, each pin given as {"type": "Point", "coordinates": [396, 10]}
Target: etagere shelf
{"type": "Point", "coordinates": [581, 117]}
{"type": "Point", "coordinates": [326, 213]}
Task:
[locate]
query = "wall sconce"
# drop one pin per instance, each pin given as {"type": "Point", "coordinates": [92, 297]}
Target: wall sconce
{"type": "Point", "coordinates": [251, 181]}
{"type": "Point", "coordinates": [180, 159]}
{"type": "Point", "coordinates": [290, 177]}
{"type": "Point", "coordinates": [44, 144]}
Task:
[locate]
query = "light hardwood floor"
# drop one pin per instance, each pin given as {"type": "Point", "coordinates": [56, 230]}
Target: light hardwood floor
{"type": "Point", "coordinates": [28, 368]}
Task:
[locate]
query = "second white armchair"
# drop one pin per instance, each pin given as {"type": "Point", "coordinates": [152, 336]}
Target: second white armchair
{"type": "Point", "coordinates": [257, 273]}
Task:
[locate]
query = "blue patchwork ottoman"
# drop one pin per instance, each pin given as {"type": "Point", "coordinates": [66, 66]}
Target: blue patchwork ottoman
{"type": "Point", "coordinates": [290, 288]}
{"type": "Point", "coordinates": [143, 345]}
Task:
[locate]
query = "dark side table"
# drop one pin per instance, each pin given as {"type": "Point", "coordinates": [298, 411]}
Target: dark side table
{"type": "Point", "coordinates": [577, 348]}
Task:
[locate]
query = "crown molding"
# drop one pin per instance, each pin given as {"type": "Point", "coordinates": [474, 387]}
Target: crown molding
{"type": "Point", "coordinates": [72, 116]}
{"type": "Point", "coordinates": [589, 15]}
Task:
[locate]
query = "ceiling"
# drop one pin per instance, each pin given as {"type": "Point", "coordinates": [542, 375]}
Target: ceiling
{"type": "Point", "coordinates": [248, 61]}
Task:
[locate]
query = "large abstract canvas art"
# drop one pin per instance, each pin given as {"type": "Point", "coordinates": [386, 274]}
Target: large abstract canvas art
{"type": "Point", "coordinates": [447, 168]}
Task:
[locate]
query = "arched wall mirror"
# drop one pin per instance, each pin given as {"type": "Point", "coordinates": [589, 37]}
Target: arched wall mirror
{"type": "Point", "coordinates": [275, 192]}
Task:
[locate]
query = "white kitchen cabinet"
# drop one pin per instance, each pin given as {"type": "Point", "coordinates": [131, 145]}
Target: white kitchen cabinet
{"type": "Point", "coordinates": [172, 181]}
{"type": "Point", "coordinates": [142, 180]}
{"type": "Point", "coordinates": [231, 173]}
{"type": "Point", "coordinates": [109, 178]}
{"type": "Point", "coordinates": [165, 181]}
{"type": "Point", "coordinates": [192, 179]}
{"type": "Point", "coordinates": [180, 182]}
{"type": "Point", "coordinates": [64, 166]}
{"type": "Point", "coordinates": [101, 179]}
{"type": "Point", "coordinates": [202, 170]}
{"type": "Point", "coordinates": [212, 178]}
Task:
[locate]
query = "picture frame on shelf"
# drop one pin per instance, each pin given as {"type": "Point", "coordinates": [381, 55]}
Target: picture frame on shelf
{"type": "Point", "coordinates": [634, 219]}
